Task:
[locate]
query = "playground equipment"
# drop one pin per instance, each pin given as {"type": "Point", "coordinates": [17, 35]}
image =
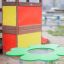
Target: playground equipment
{"type": "Point", "coordinates": [39, 54]}
{"type": "Point", "coordinates": [21, 23]}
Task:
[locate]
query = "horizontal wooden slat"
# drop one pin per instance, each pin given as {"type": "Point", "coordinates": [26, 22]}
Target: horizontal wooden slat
{"type": "Point", "coordinates": [29, 29]}
{"type": "Point", "coordinates": [22, 29]}
{"type": "Point", "coordinates": [22, 3]}
{"type": "Point", "coordinates": [29, 4]}
{"type": "Point", "coordinates": [10, 29]}
{"type": "Point", "coordinates": [8, 3]}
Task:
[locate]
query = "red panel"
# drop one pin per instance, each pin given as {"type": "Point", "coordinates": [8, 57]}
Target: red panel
{"type": "Point", "coordinates": [29, 15]}
{"type": "Point", "coordinates": [9, 41]}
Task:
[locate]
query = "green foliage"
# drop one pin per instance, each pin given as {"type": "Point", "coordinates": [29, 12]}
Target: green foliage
{"type": "Point", "coordinates": [59, 31]}
{"type": "Point", "coordinates": [50, 31]}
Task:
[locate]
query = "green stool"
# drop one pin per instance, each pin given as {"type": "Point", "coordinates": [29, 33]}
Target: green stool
{"type": "Point", "coordinates": [47, 53]}
{"type": "Point", "coordinates": [30, 57]}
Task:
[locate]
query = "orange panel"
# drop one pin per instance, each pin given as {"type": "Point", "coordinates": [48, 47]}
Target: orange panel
{"type": "Point", "coordinates": [9, 41]}
{"type": "Point", "coordinates": [28, 15]}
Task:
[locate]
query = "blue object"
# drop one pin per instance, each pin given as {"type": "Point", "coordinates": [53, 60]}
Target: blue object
{"type": "Point", "coordinates": [58, 20]}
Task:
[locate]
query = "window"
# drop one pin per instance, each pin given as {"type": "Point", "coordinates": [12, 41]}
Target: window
{"type": "Point", "coordinates": [10, 0]}
{"type": "Point", "coordinates": [34, 1]}
{"type": "Point", "coordinates": [22, 0]}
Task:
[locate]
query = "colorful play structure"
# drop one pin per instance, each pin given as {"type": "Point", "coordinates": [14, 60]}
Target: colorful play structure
{"type": "Point", "coordinates": [21, 23]}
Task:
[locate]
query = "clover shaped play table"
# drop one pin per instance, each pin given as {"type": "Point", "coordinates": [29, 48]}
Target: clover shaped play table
{"type": "Point", "coordinates": [48, 54]}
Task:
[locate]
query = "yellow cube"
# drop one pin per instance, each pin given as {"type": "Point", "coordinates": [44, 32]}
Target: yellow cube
{"type": "Point", "coordinates": [27, 40]}
{"type": "Point", "coordinates": [9, 15]}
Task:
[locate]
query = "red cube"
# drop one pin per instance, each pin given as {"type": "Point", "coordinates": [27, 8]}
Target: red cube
{"type": "Point", "coordinates": [9, 41]}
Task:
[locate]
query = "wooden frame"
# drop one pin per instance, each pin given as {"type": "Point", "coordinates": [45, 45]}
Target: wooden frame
{"type": "Point", "coordinates": [31, 4]}
{"type": "Point", "coordinates": [9, 3]}
{"type": "Point", "coordinates": [22, 3]}
{"type": "Point", "coordinates": [22, 29]}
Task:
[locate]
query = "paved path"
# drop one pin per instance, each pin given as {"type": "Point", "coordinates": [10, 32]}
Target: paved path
{"type": "Point", "coordinates": [8, 60]}
{"type": "Point", "coordinates": [54, 39]}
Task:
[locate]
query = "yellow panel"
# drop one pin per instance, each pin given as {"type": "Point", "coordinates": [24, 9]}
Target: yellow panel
{"type": "Point", "coordinates": [9, 15]}
{"type": "Point", "coordinates": [30, 39]}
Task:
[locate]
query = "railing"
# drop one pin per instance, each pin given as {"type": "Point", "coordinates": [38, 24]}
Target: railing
{"type": "Point", "coordinates": [22, 2]}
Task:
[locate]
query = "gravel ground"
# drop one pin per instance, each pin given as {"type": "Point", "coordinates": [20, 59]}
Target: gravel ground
{"type": "Point", "coordinates": [8, 60]}
{"type": "Point", "coordinates": [54, 39]}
